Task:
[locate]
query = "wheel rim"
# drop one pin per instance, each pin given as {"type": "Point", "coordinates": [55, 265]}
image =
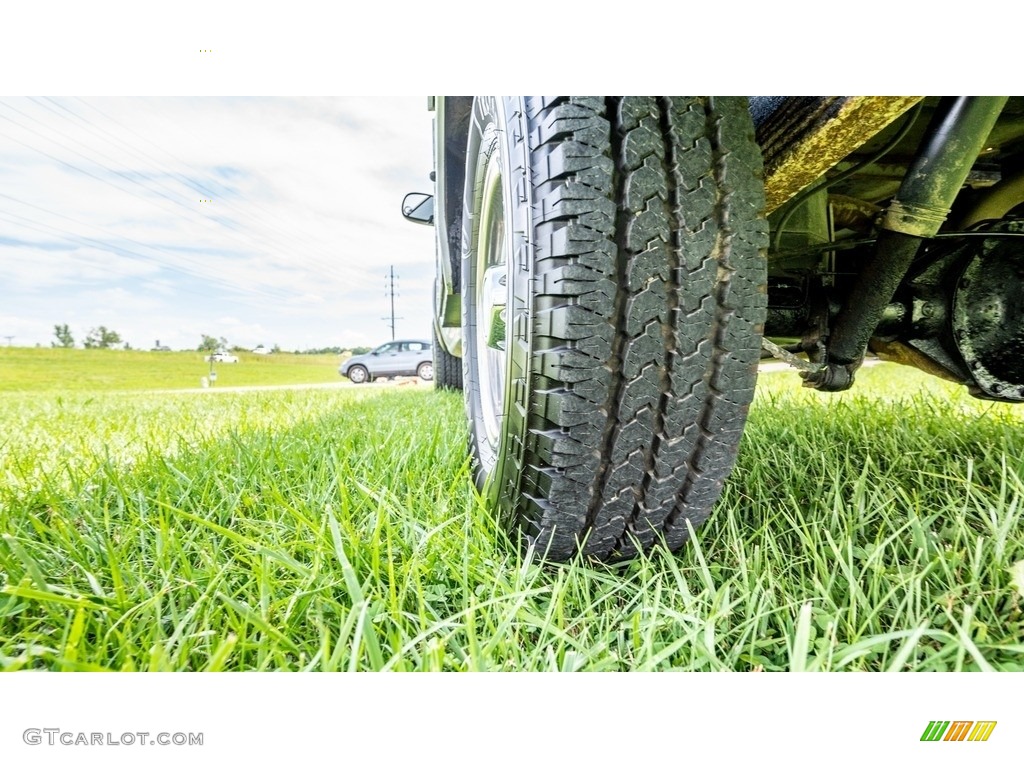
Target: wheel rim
{"type": "Point", "coordinates": [357, 375]}
{"type": "Point", "coordinates": [491, 298]}
{"type": "Point", "coordinates": [427, 371]}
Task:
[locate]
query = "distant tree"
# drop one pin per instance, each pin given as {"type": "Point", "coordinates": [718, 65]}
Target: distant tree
{"type": "Point", "coordinates": [64, 337]}
{"type": "Point", "coordinates": [276, 348]}
{"type": "Point", "coordinates": [209, 344]}
{"type": "Point", "coordinates": [102, 338]}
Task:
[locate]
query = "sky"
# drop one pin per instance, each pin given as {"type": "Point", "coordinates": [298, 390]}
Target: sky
{"type": "Point", "coordinates": [103, 219]}
{"type": "Point", "coordinates": [262, 220]}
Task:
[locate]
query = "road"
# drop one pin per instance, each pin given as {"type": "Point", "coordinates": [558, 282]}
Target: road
{"type": "Point", "coordinates": [413, 381]}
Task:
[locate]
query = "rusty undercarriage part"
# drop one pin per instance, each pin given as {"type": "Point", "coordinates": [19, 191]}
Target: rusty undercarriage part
{"type": "Point", "coordinates": [802, 138]}
{"type": "Point", "coordinates": [953, 141]}
{"type": "Point", "coordinates": [1006, 195]}
{"type": "Point", "coordinates": [958, 316]}
{"type": "Point", "coordinates": [904, 354]}
{"type": "Point", "coordinates": [966, 320]}
{"type": "Point", "coordinates": [781, 353]}
{"type": "Point", "coordinates": [987, 322]}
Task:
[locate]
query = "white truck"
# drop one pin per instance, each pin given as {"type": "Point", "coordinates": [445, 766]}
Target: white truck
{"type": "Point", "coordinates": [609, 270]}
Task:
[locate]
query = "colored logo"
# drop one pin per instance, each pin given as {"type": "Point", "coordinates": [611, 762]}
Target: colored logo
{"type": "Point", "coordinates": [959, 730]}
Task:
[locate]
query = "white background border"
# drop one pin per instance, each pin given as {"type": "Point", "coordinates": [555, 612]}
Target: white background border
{"type": "Point", "coordinates": [318, 48]}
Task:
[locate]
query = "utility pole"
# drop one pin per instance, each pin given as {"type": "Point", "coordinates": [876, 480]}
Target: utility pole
{"type": "Point", "coordinates": [10, 338]}
{"type": "Point", "coordinates": [390, 292]}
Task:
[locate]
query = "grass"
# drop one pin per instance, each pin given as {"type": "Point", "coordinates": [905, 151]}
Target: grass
{"type": "Point", "coordinates": [24, 369]}
{"type": "Point", "coordinates": [337, 530]}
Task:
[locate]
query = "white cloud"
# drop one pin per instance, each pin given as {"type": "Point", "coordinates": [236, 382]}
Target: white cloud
{"type": "Point", "coordinates": [303, 224]}
{"type": "Point", "coordinates": [36, 269]}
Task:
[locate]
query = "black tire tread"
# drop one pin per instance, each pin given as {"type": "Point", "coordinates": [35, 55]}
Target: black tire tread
{"type": "Point", "coordinates": [447, 368]}
{"type": "Point", "coordinates": [647, 316]}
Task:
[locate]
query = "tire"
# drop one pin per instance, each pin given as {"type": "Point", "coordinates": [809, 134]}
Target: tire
{"type": "Point", "coordinates": [613, 300]}
{"type": "Point", "coordinates": [447, 368]}
{"type": "Point", "coordinates": [357, 374]}
{"type": "Point", "coordinates": [425, 371]}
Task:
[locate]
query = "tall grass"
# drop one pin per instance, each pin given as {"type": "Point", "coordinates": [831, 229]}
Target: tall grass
{"type": "Point", "coordinates": [330, 530]}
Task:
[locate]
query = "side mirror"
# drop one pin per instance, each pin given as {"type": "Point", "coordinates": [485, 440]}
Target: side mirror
{"type": "Point", "coordinates": [418, 207]}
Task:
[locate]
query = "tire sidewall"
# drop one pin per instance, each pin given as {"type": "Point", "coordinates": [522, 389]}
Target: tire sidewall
{"type": "Point", "coordinates": [498, 125]}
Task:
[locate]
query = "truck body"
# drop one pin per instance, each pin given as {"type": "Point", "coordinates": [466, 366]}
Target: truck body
{"type": "Point", "coordinates": [611, 269]}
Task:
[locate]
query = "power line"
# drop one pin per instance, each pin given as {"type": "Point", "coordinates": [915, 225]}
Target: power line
{"type": "Point", "coordinates": [188, 208]}
{"type": "Point", "coordinates": [328, 261]}
{"type": "Point", "coordinates": [87, 241]}
{"type": "Point", "coordinates": [203, 270]}
{"type": "Point", "coordinates": [104, 181]}
{"type": "Point", "coordinates": [266, 222]}
{"type": "Point", "coordinates": [252, 204]}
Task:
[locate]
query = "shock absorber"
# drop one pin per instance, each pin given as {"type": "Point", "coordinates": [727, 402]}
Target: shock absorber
{"type": "Point", "coordinates": [952, 142]}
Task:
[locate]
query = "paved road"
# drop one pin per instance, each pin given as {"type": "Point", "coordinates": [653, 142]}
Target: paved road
{"type": "Point", "coordinates": [413, 381]}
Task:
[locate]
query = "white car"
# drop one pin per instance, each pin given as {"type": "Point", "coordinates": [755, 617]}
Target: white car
{"type": "Point", "coordinates": [261, 350]}
{"type": "Point", "coordinates": [221, 357]}
{"type": "Point", "coordinates": [396, 358]}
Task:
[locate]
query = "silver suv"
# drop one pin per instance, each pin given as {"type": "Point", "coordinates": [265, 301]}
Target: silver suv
{"type": "Point", "coordinates": [410, 357]}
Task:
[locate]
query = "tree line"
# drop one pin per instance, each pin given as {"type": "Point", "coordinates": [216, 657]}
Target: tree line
{"type": "Point", "coordinates": [102, 337]}
{"type": "Point", "coordinates": [97, 338]}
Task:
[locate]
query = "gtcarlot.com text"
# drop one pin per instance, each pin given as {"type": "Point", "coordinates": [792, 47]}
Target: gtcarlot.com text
{"type": "Point", "coordinates": [54, 737]}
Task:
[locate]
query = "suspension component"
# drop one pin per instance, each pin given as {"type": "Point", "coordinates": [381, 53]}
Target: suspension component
{"type": "Point", "coordinates": [987, 321]}
{"type": "Point", "coordinates": [953, 141]}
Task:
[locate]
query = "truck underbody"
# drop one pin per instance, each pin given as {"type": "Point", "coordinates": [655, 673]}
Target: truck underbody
{"type": "Point", "coordinates": [610, 269]}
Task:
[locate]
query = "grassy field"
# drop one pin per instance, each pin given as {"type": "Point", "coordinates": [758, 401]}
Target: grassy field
{"type": "Point", "coordinates": [336, 529]}
{"type": "Point", "coordinates": [24, 369]}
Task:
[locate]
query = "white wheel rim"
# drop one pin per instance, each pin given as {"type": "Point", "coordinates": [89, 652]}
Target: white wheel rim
{"type": "Point", "coordinates": [491, 300]}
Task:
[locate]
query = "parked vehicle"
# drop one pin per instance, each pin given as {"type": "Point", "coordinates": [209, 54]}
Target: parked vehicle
{"type": "Point", "coordinates": [407, 357]}
{"type": "Point", "coordinates": [610, 269]}
{"type": "Point", "coordinates": [221, 357]}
